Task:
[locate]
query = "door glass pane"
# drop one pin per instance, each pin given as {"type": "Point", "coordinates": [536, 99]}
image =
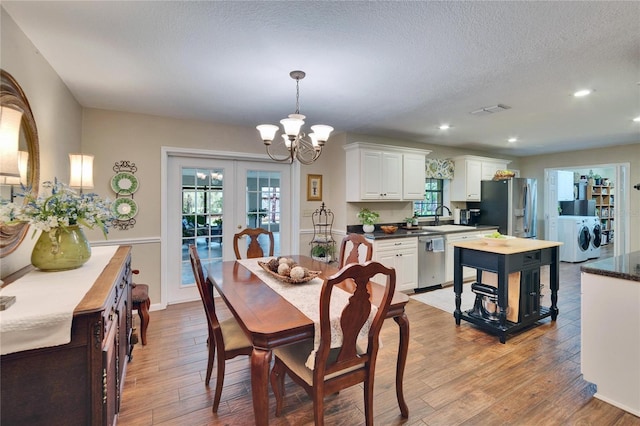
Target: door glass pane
{"type": "Point", "coordinates": [202, 207]}
{"type": "Point", "coordinates": [263, 205]}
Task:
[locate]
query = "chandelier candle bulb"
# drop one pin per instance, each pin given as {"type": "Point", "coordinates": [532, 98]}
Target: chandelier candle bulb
{"type": "Point", "coordinates": [267, 132]}
{"type": "Point", "coordinates": [322, 131]}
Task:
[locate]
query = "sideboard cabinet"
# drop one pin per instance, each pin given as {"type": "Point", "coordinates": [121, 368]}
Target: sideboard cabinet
{"type": "Point", "coordinates": [79, 383]}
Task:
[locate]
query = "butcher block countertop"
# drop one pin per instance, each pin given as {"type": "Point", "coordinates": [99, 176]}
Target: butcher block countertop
{"type": "Point", "coordinates": [516, 245]}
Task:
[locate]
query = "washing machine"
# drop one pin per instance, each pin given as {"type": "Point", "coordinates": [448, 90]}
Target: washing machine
{"type": "Point", "coordinates": [596, 236]}
{"type": "Point", "coordinates": [575, 234]}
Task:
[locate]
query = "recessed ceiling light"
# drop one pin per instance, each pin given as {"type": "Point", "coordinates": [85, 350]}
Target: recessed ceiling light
{"type": "Point", "coordinates": [444, 127]}
{"type": "Point", "coordinates": [582, 93]}
{"type": "Point", "coordinates": [637, 119]}
{"type": "Point", "coordinates": [512, 140]}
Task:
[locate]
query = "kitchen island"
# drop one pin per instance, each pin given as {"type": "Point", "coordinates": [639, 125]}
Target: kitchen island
{"type": "Point", "coordinates": [410, 250]}
{"type": "Point", "coordinates": [518, 255]}
{"type": "Point", "coordinates": [610, 329]}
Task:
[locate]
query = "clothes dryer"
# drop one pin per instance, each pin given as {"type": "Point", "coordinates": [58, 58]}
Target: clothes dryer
{"type": "Point", "coordinates": [596, 236]}
{"type": "Point", "coordinates": [575, 234]}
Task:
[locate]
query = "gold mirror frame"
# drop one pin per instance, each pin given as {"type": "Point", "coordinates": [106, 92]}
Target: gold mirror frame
{"type": "Point", "coordinates": [11, 94]}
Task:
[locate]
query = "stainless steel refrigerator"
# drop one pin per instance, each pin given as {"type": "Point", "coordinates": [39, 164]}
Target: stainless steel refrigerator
{"type": "Point", "coordinates": [511, 205]}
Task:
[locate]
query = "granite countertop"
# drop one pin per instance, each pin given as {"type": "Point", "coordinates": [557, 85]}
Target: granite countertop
{"type": "Point", "coordinates": [418, 231]}
{"type": "Point", "coordinates": [625, 267]}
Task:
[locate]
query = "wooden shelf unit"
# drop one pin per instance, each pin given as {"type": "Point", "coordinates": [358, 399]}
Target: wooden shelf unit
{"type": "Point", "coordinates": [604, 198]}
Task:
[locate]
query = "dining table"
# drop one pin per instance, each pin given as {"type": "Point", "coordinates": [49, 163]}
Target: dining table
{"type": "Point", "coordinates": [270, 321]}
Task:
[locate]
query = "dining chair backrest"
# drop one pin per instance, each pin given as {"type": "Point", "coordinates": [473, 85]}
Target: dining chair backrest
{"type": "Point", "coordinates": [355, 248]}
{"type": "Point", "coordinates": [253, 248]}
{"type": "Point", "coordinates": [338, 368]}
{"type": "Point", "coordinates": [206, 291]}
{"type": "Point", "coordinates": [352, 319]}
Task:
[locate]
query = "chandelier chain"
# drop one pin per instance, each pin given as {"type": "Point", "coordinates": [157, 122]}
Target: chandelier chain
{"type": "Point", "coordinates": [297, 96]}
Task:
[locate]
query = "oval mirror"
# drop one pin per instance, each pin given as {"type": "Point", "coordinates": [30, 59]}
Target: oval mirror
{"type": "Point", "coordinates": [12, 96]}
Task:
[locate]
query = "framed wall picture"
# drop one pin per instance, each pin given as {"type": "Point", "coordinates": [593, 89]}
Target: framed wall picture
{"type": "Point", "coordinates": [314, 187]}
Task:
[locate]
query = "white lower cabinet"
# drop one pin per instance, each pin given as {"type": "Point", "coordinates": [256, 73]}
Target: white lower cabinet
{"type": "Point", "coordinates": [610, 341]}
{"type": "Point", "coordinates": [401, 254]}
{"type": "Point", "coordinates": [467, 273]}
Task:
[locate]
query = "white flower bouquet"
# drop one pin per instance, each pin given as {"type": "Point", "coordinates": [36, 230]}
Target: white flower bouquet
{"type": "Point", "coordinates": [58, 206]}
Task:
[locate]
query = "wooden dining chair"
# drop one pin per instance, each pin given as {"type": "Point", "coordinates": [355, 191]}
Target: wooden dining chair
{"type": "Point", "coordinates": [353, 243]}
{"type": "Point", "coordinates": [226, 336]}
{"type": "Point", "coordinates": [141, 302]}
{"type": "Point", "coordinates": [338, 368]}
{"type": "Point", "coordinates": [253, 248]}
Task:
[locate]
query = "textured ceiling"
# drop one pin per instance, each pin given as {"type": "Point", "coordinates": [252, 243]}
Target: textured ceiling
{"type": "Point", "coordinates": [394, 69]}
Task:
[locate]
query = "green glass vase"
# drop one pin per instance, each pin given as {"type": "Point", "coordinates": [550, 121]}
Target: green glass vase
{"type": "Point", "coordinates": [61, 249]}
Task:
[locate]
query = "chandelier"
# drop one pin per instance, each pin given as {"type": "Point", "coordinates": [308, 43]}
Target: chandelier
{"type": "Point", "coordinates": [305, 148]}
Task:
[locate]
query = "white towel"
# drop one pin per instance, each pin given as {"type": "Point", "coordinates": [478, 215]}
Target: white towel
{"type": "Point", "coordinates": [438, 244]}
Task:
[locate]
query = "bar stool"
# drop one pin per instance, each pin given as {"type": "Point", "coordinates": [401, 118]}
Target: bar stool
{"type": "Point", "coordinates": [141, 302]}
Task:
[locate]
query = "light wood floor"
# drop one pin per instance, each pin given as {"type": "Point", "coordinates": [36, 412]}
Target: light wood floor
{"type": "Point", "coordinates": [455, 375]}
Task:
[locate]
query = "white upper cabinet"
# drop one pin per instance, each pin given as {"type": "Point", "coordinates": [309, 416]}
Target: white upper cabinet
{"type": "Point", "coordinates": [413, 176]}
{"type": "Point", "coordinates": [384, 173]}
{"type": "Point", "coordinates": [489, 169]}
{"type": "Point", "coordinates": [469, 171]}
{"type": "Point", "coordinates": [381, 175]}
{"type": "Point", "coordinates": [465, 185]}
{"type": "Point", "coordinates": [565, 185]}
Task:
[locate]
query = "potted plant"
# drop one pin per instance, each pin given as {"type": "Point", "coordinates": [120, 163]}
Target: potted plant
{"type": "Point", "coordinates": [323, 252]}
{"type": "Point", "coordinates": [408, 221]}
{"type": "Point", "coordinates": [368, 219]}
{"type": "Point", "coordinates": [598, 179]}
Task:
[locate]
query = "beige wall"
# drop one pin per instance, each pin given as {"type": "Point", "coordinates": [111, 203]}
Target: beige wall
{"type": "Point", "coordinates": [57, 114]}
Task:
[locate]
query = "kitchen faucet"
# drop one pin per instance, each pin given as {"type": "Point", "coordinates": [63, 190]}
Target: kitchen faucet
{"type": "Point", "coordinates": [441, 206]}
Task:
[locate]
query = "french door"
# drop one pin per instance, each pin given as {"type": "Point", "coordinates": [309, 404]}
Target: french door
{"type": "Point", "coordinates": [208, 201]}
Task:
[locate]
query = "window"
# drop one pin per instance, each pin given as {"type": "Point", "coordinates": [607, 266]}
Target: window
{"type": "Point", "coordinates": [433, 197]}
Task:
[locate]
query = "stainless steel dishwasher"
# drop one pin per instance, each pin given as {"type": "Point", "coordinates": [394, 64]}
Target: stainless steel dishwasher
{"type": "Point", "coordinates": [431, 267]}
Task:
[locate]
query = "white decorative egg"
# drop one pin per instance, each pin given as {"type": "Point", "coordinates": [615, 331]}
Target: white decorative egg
{"type": "Point", "coordinates": [283, 269]}
{"type": "Point", "coordinates": [297, 273]}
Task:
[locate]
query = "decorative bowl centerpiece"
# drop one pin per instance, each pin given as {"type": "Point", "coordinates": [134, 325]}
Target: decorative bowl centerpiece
{"type": "Point", "coordinates": [389, 229]}
{"type": "Point", "coordinates": [286, 270]}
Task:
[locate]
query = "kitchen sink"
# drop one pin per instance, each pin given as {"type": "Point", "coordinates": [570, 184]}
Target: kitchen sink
{"type": "Point", "coordinates": [448, 228]}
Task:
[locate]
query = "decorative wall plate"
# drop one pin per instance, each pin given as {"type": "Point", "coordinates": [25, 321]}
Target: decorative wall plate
{"type": "Point", "coordinates": [124, 208]}
{"type": "Point", "coordinates": [124, 183]}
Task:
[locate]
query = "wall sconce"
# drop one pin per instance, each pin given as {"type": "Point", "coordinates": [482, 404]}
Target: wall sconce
{"type": "Point", "coordinates": [10, 120]}
{"type": "Point", "coordinates": [81, 171]}
{"type": "Point", "coordinates": [23, 166]}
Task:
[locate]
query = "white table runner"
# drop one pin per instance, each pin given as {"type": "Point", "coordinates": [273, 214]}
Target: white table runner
{"type": "Point", "coordinates": [306, 297]}
{"type": "Point", "coordinates": [45, 301]}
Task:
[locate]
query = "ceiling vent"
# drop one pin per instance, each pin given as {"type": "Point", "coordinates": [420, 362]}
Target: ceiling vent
{"type": "Point", "coordinates": [490, 109]}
